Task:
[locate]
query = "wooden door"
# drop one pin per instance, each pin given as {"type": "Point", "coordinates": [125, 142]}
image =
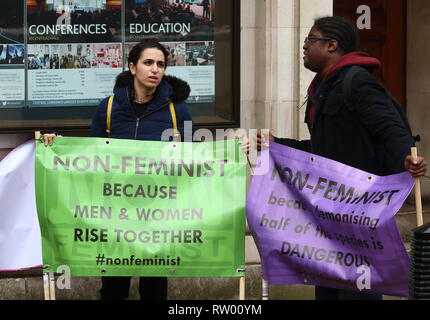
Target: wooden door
{"type": "Point", "coordinates": [385, 40]}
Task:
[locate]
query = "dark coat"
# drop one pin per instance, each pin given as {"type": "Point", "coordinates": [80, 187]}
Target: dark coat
{"type": "Point", "coordinates": [370, 137]}
{"type": "Point", "coordinates": [157, 117]}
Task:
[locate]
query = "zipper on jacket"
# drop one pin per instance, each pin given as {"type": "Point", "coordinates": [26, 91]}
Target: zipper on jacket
{"type": "Point", "coordinates": [143, 116]}
{"type": "Point", "coordinates": [137, 127]}
{"type": "Point", "coordinates": [137, 118]}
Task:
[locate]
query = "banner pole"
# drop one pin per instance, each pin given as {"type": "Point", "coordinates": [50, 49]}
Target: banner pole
{"type": "Point", "coordinates": [46, 287]}
{"type": "Point", "coordinates": [51, 285]}
{"type": "Point", "coordinates": [417, 188]}
{"type": "Point", "coordinates": [46, 276]}
{"type": "Point", "coordinates": [242, 288]}
{"type": "Point", "coordinates": [265, 289]}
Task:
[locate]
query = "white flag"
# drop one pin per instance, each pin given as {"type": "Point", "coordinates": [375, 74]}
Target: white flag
{"type": "Point", "coordinates": [20, 240]}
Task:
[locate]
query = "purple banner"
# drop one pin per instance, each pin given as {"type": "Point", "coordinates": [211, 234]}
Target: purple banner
{"type": "Point", "coordinates": [319, 222]}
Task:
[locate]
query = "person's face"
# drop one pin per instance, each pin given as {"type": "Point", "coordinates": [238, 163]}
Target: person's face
{"type": "Point", "coordinates": [316, 52]}
{"type": "Point", "coordinates": [149, 69]}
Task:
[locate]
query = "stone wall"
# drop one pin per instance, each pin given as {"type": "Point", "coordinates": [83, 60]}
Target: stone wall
{"type": "Point", "coordinates": [418, 78]}
{"type": "Point", "coordinates": [273, 86]}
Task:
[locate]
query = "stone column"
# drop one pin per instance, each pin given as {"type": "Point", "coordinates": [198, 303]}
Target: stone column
{"type": "Point", "coordinates": [418, 78]}
{"type": "Point", "coordinates": [274, 83]}
{"type": "Point", "coordinates": [273, 80]}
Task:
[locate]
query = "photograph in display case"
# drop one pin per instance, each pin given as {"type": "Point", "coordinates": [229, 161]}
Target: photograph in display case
{"type": "Point", "coordinates": [12, 54]}
{"type": "Point", "coordinates": [73, 21]}
{"type": "Point", "coordinates": [67, 41]}
{"type": "Point", "coordinates": [169, 20]}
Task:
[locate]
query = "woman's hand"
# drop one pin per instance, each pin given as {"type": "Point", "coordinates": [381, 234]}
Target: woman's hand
{"type": "Point", "coordinates": [48, 139]}
{"type": "Point", "coordinates": [260, 141]}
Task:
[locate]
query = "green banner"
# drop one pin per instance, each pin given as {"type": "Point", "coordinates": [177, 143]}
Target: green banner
{"type": "Point", "coordinates": [141, 208]}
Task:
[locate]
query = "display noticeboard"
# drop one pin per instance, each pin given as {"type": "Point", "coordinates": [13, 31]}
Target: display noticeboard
{"type": "Point", "coordinates": [64, 55]}
{"type": "Point", "coordinates": [74, 52]}
{"type": "Point", "coordinates": [12, 53]}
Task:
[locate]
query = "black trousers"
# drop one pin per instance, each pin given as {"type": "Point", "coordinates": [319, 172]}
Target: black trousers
{"type": "Point", "coordinates": [150, 288]}
{"type": "Point", "coordinates": [323, 293]}
{"type": "Point", "coordinates": [206, 13]}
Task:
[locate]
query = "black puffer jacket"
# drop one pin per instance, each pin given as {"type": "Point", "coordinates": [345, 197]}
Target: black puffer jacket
{"type": "Point", "coordinates": [371, 138]}
{"type": "Point", "coordinates": [157, 117]}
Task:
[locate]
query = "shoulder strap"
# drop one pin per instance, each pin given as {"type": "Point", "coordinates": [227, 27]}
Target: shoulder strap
{"type": "Point", "coordinates": [108, 115]}
{"type": "Point", "coordinates": [174, 121]}
{"type": "Point", "coordinates": [109, 112]}
{"type": "Point", "coordinates": [350, 104]}
{"type": "Point", "coordinates": [347, 85]}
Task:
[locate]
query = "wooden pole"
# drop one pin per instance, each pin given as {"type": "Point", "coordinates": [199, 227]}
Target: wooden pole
{"type": "Point", "coordinates": [51, 286]}
{"type": "Point", "coordinates": [46, 288]}
{"type": "Point", "coordinates": [242, 288]}
{"type": "Point", "coordinates": [265, 289]}
{"type": "Point", "coordinates": [48, 277]}
{"type": "Point", "coordinates": [418, 204]}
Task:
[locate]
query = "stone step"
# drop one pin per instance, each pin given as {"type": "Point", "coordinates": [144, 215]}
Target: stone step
{"type": "Point", "coordinates": [87, 288]}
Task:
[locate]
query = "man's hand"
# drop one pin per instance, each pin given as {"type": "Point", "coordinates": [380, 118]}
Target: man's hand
{"type": "Point", "coordinates": [245, 145]}
{"type": "Point", "coordinates": [417, 167]}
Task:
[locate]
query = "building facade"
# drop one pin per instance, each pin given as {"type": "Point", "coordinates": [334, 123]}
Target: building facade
{"type": "Point", "coordinates": [273, 88]}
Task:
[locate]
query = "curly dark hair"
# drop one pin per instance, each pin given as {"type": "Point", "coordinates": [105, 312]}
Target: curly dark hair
{"type": "Point", "coordinates": [149, 43]}
{"type": "Point", "coordinates": [340, 29]}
